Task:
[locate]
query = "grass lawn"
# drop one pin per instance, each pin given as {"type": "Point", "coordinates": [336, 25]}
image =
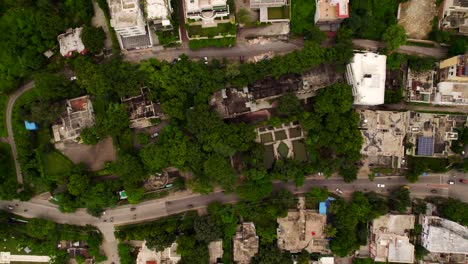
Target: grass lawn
{"type": "Point", "coordinates": [280, 135]}
{"type": "Point", "coordinates": [56, 164]}
{"type": "Point", "coordinates": [269, 157]}
{"type": "Point", "coordinates": [222, 28]}
{"type": "Point", "coordinates": [3, 104]}
{"type": "Point", "coordinates": [300, 152]}
{"type": "Point", "coordinates": [266, 138]}
{"type": "Point", "coordinates": [281, 12]}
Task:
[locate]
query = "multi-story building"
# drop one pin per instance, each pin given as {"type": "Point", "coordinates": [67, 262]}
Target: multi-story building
{"type": "Point", "coordinates": [129, 24]}
{"type": "Point", "coordinates": [454, 15]}
{"type": "Point", "coordinates": [206, 10]}
{"type": "Point", "coordinates": [454, 69]}
{"type": "Point", "coordinates": [443, 236]}
{"type": "Point", "coordinates": [330, 13]}
{"type": "Point", "coordinates": [366, 74]}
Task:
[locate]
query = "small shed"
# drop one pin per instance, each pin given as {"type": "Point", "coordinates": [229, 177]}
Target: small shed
{"type": "Point", "coordinates": [31, 125]}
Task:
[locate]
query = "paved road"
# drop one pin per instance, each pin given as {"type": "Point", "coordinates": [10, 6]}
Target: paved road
{"type": "Point", "coordinates": [240, 49]}
{"type": "Point", "coordinates": [153, 209]}
{"type": "Point", "coordinates": [246, 49]}
{"type": "Point", "coordinates": [439, 53]}
{"type": "Point", "coordinates": [11, 139]}
{"type": "Point", "coordinates": [405, 106]}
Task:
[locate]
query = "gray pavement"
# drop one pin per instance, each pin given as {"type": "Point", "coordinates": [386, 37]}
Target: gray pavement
{"type": "Point", "coordinates": [439, 53]}
{"type": "Point", "coordinates": [185, 201]}
{"type": "Point", "coordinates": [11, 139]}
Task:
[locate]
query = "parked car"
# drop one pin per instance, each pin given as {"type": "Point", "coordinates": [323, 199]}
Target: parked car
{"type": "Point", "coordinates": [463, 181]}
{"type": "Point", "coordinates": [241, 59]}
{"type": "Point", "coordinates": [11, 207]}
{"type": "Point", "coordinates": [433, 191]}
{"type": "Point", "coordinates": [380, 185]}
{"type": "Point", "coordinates": [451, 182]}
{"type": "Point", "coordinates": [206, 60]}
{"type": "Point", "coordinates": [338, 190]}
{"type": "Point", "coordinates": [154, 135]}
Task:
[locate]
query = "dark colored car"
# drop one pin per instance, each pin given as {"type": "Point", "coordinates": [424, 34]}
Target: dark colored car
{"type": "Point", "coordinates": [463, 181]}
{"type": "Point", "coordinates": [433, 191]}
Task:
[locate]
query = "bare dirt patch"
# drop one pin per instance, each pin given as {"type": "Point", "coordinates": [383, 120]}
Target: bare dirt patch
{"type": "Point", "coordinates": [416, 17]}
{"type": "Point", "coordinates": [94, 157]}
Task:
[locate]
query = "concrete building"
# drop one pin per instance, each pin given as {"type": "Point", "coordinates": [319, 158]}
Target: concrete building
{"type": "Point", "coordinates": [167, 256]}
{"type": "Point", "coordinates": [71, 42]}
{"type": "Point", "coordinates": [79, 114]}
{"type": "Point", "coordinates": [454, 15]}
{"type": "Point", "coordinates": [141, 110]}
{"type": "Point", "coordinates": [206, 10]}
{"type": "Point", "coordinates": [451, 93]}
{"type": "Point", "coordinates": [383, 133]}
{"type": "Point", "coordinates": [302, 229]}
{"type": "Point", "coordinates": [366, 74]}
{"type": "Point", "coordinates": [389, 240]}
{"type": "Point", "coordinates": [7, 257]}
{"type": "Point", "coordinates": [245, 243]}
{"type": "Point", "coordinates": [421, 86]}
{"type": "Point", "coordinates": [432, 134]}
{"type": "Point", "coordinates": [330, 13]}
{"type": "Point", "coordinates": [266, 7]}
{"type": "Point", "coordinates": [454, 69]}
{"type": "Point", "coordinates": [159, 13]}
{"type": "Point", "coordinates": [129, 24]}
{"type": "Point", "coordinates": [444, 236]}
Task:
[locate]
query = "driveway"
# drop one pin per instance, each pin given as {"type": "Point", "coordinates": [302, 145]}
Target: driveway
{"type": "Point", "coordinates": [11, 139]}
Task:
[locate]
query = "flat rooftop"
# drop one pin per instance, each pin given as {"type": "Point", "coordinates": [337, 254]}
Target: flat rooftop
{"type": "Point", "coordinates": [383, 132]}
{"type": "Point", "coordinates": [332, 9]}
{"type": "Point", "coordinates": [393, 224]}
{"type": "Point", "coordinates": [444, 236]}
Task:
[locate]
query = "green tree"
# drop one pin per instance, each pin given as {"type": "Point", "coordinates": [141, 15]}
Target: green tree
{"type": "Point", "coordinates": [289, 105]}
{"type": "Point", "coordinates": [39, 228]}
{"type": "Point", "coordinates": [243, 16]}
{"type": "Point", "coordinates": [206, 229]}
{"type": "Point", "coordinates": [394, 36]}
{"type": "Point", "coordinates": [115, 120]}
{"type": "Point", "coordinates": [303, 257]}
{"type": "Point", "coordinates": [125, 253]}
{"type": "Point", "coordinates": [270, 254]}
{"type": "Point", "coordinates": [78, 184]}
{"type": "Point", "coordinates": [93, 38]}
{"type": "Point", "coordinates": [90, 135]}
{"type": "Point", "coordinates": [399, 199]}
{"type": "Point", "coordinates": [316, 195]}
{"type": "Point", "coordinates": [220, 171]}
{"type": "Point", "coordinates": [257, 186]}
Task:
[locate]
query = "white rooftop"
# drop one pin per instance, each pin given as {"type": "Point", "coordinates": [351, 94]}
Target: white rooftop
{"type": "Point", "coordinates": [444, 236]}
{"type": "Point", "coordinates": [451, 93]}
{"type": "Point", "coordinates": [366, 73]}
{"type": "Point", "coordinates": [393, 224]}
{"type": "Point", "coordinates": [124, 13]}
{"type": "Point", "coordinates": [70, 42]}
{"type": "Point", "coordinates": [198, 5]}
{"type": "Point", "coordinates": [157, 9]}
{"type": "Point", "coordinates": [6, 257]}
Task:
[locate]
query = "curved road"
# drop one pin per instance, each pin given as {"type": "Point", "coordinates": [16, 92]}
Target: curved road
{"type": "Point", "coordinates": [11, 139]}
{"type": "Point", "coordinates": [184, 201]}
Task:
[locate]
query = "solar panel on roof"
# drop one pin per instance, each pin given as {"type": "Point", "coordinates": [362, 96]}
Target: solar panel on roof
{"type": "Point", "coordinates": [425, 146]}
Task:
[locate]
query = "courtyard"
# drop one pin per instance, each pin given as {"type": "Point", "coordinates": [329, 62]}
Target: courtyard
{"type": "Point", "coordinates": [282, 142]}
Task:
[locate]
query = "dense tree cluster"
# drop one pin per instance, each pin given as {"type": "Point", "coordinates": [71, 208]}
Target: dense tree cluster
{"type": "Point", "coordinates": [334, 141]}
{"type": "Point", "coordinates": [29, 28]}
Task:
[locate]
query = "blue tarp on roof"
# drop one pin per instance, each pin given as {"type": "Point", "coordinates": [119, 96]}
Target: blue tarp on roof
{"type": "Point", "coordinates": [323, 208]}
{"type": "Point", "coordinates": [30, 125]}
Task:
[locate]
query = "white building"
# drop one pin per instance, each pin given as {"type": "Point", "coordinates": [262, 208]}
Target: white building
{"type": "Point", "coordinates": [159, 11]}
{"type": "Point", "coordinates": [454, 15]}
{"type": "Point", "coordinates": [206, 10]}
{"type": "Point", "coordinates": [265, 5]}
{"type": "Point", "coordinates": [444, 236]}
{"type": "Point", "coordinates": [451, 93]}
{"type": "Point", "coordinates": [331, 11]}
{"type": "Point", "coordinates": [6, 257]}
{"type": "Point", "coordinates": [70, 42]}
{"type": "Point", "coordinates": [129, 24]}
{"type": "Point", "coordinates": [366, 74]}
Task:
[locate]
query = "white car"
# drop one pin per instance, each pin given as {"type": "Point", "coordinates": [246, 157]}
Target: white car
{"type": "Point", "coordinates": [206, 60]}
{"type": "Point", "coordinates": [380, 185]}
{"type": "Point", "coordinates": [451, 182]}
{"type": "Point", "coordinates": [338, 190]}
